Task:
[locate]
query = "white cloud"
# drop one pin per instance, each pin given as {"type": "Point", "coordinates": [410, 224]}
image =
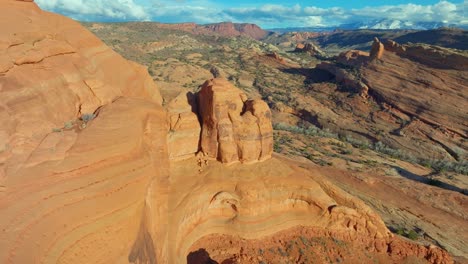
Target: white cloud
{"type": "Point", "coordinates": [97, 9]}
{"type": "Point", "coordinates": [442, 11]}
{"type": "Point", "coordinates": [268, 16]}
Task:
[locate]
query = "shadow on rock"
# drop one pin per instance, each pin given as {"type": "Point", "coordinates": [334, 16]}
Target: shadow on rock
{"type": "Point", "coordinates": [312, 75]}
{"type": "Point", "coordinates": [428, 180]}
{"type": "Point", "coordinates": [200, 257]}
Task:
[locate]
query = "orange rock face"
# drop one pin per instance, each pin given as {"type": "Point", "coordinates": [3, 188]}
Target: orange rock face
{"type": "Point", "coordinates": [234, 128]}
{"type": "Point", "coordinates": [184, 130]}
{"type": "Point", "coordinates": [74, 74]}
{"type": "Point", "coordinates": [227, 29]}
{"type": "Point", "coordinates": [231, 30]}
{"type": "Point", "coordinates": [377, 50]}
{"type": "Point", "coordinates": [74, 191]}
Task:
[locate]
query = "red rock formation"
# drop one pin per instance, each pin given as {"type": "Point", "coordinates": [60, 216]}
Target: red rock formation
{"type": "Point", "coordinates": [409, 80]}
{"type": "Point", "coordinates": [377, 50]}
{"type": "Point", "coordinates": [230, 29]}
{"type": "Point", "coordinates": [309, 48]}
{"type": "Point", "coordinates": [233, 128]}
{"type": "Point", "coordinates": [392, 46]}
{"type": "Point", "coordinates": [315, 245]}
{"type": "Point", "coordinates": [353, 58]}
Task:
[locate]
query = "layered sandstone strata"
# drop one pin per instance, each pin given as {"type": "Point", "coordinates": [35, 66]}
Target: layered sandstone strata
{"type": "Point", "coordinates": [183, 137]}
{"type": "Point", "coordinates": [73, 189]}
{"type": "Point", "coordinates": [233, 127]}
{"type": "Point", "coordinates": [406, 79]}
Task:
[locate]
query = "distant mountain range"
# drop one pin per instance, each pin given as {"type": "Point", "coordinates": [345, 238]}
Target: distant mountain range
{"type": "Point", "coordinates": [382, 24]}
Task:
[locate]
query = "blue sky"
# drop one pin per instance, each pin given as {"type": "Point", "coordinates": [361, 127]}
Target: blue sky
{"type": "Point", "coordinates": [266, 13]}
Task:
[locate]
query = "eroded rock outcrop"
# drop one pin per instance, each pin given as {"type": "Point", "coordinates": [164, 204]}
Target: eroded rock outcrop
{"type": "Point", "coordinates": [233, 127]}
{"type": "Point", "coordinates": [262, 202]}
{"type": "Point", "coordinates": [377, 50]}
{"type": "Point", "coordinates": [68, 193]}
{"type": "Point", "coordinates": [393, 46]}
{"type": "Point", "coordinates": [344, 76]}
{"type": "Point", "coordinates": [309, 48]}
{"type": "Point", "coordinates": [184, 126]}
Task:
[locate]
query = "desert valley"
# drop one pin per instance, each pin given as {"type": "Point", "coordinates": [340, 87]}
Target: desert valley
{"type": "Point", "coordinates": [145, 142]}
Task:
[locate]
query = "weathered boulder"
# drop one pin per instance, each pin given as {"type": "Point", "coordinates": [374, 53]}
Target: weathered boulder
{"type": "Point", "coordinates": [233, 127]}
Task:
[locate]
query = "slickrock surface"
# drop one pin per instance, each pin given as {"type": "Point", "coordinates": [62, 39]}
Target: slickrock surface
{"type": "Point", "coordinates": [407, 79]}
{"type": "Point", "coordinates": [74, 191]}
{"type": "Point", "coordinates": [239, 212]}
{"type": "Point", "coordinates": [52, 71]}
{"type": "Point", "coordinates": [234, 128]}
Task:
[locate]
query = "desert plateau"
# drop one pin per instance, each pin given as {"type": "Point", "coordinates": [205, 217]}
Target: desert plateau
{"type": "Point", "coordinates": [145, 141]}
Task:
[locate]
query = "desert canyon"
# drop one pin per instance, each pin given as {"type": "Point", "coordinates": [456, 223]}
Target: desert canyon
{"type": "Point", "coordinates": [101, 164]}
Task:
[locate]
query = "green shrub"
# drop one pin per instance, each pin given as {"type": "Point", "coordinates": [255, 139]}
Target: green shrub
{"type": "Point", "coordinates": [87, 117]}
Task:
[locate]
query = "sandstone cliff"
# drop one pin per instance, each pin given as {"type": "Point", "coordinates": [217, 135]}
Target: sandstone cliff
{"type": "Point", "coordinates": [73, 188]}
{"type": "Point", "coordinates": [230, 29]}
{"type": "Point", "coordinates": [225, 29]}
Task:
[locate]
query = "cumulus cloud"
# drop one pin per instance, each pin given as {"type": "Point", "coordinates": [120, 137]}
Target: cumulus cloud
{"type": "Point", "coordinates": [310, 16]}
{"type": "Point", "coordinates": [267, 16]}
{"type": "Point", "coordinates": [442, 11]}
{"type": "Point", "coordinates": [97, 10]}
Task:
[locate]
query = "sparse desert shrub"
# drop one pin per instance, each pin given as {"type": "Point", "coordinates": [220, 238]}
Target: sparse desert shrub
{"type": "Point", "coordinates": [69, 124]}
{"type": "Point", "coordinates": [277, 147]}
{"type": "Point", "coordinates": [87, 117]}
{"type": "Point", "coordinates": [444, 165]}
{"type": "Point", "coordinates": [411, 234]}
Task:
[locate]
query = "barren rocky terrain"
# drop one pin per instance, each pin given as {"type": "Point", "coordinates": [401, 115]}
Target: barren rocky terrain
{"type": "Point", "coordinates": [225, 148]}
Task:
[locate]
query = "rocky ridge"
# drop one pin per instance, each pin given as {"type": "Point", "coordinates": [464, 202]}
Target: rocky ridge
{"type": "Point", "coordinates": [226, 29]}
{"type": "Point", "coordinates": [406, 79]}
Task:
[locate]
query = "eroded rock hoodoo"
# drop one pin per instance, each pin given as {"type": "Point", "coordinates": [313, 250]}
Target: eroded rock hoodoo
{"type": "Point", "coordinates": [233, 127]}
